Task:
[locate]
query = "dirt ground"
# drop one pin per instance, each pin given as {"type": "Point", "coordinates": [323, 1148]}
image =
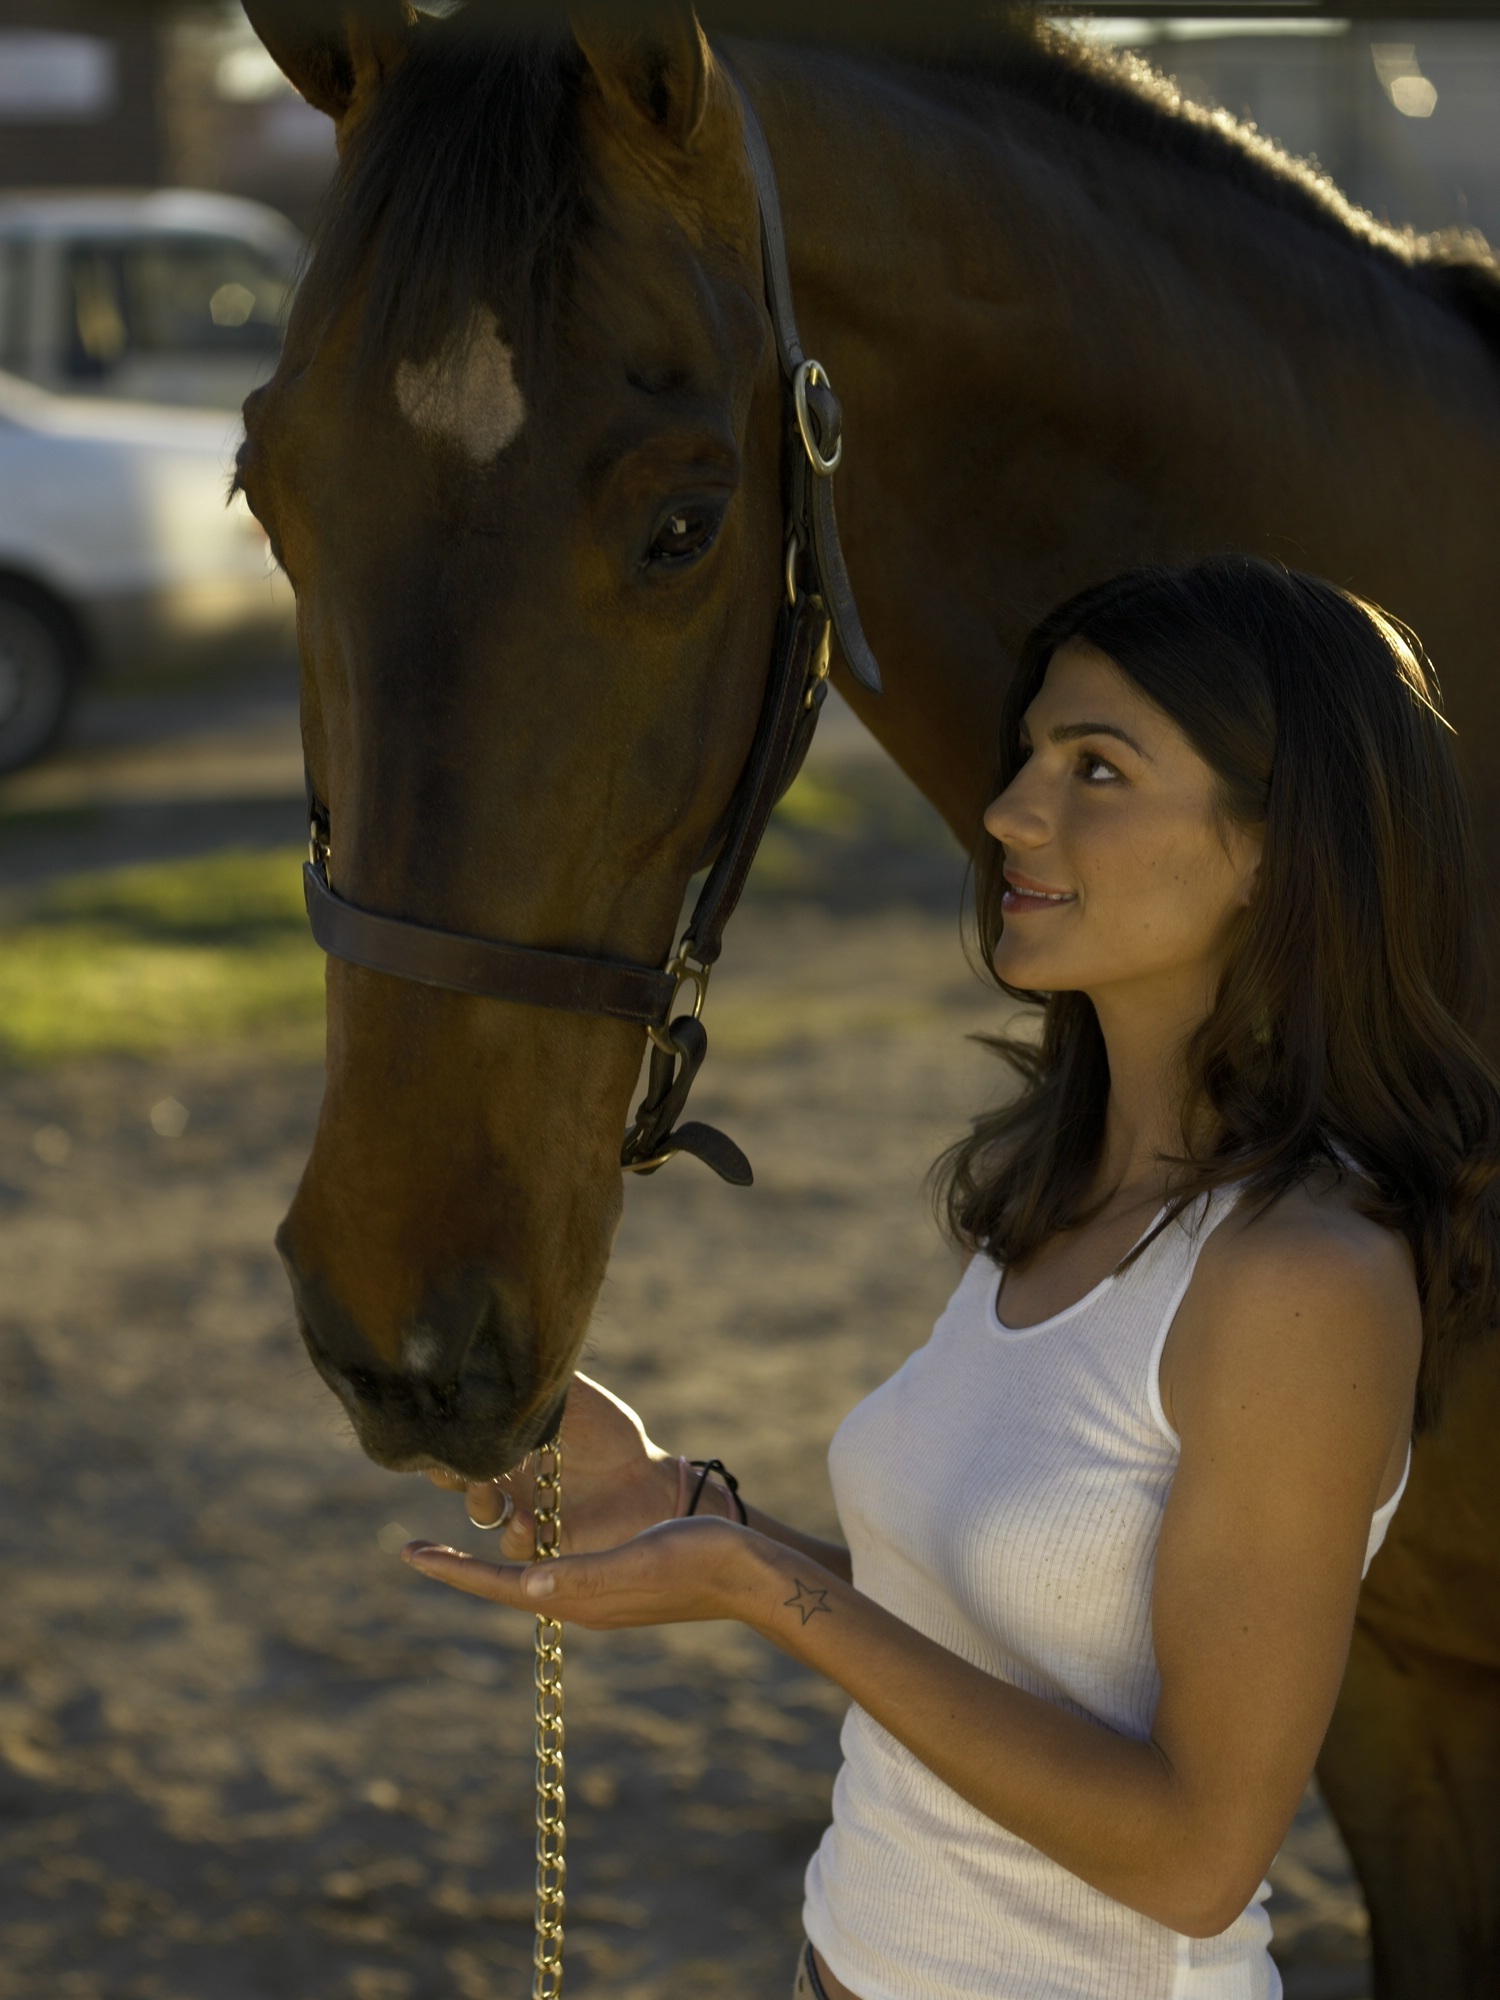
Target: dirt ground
{"type": "Point", "coordinates": [243, 1752]}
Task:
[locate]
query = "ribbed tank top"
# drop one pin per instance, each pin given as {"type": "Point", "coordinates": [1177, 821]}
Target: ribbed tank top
{"type": "Point", "coordinates": [1003, 1493]}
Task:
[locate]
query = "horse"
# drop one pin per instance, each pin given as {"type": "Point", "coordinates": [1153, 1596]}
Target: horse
{"type": "Point", "coordinates": [522, 462]}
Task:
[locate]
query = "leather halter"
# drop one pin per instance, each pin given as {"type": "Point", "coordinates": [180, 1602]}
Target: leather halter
{"type": "Point", "coordinates": [818, 597]}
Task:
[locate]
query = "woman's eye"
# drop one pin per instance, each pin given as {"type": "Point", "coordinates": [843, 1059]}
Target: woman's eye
{"type": "Point", "coordinates": [1096, 770]}
{"type": "Point", "coordinates": [687, 533]}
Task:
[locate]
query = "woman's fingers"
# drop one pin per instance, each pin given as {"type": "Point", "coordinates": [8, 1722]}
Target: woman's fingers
{"type": "Point", "coordinates": [517, 1538]}
{"type": "Point", "coordinates": [501, 1584]}
{"type": "Point", "coordinates": [672, 1572]}
{"type": "Point", "coordinates": [616, 1483]}
{"type": "Point", "coordinates": [560, 1588]}
{"type": "Point", "coordinates": [489, 1503]}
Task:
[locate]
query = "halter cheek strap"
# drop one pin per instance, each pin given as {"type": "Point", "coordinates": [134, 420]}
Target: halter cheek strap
{"type": "Point", "coordinates": [819, 602]}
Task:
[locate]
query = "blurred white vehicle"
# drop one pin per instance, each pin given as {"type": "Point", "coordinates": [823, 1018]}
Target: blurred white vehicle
{"type": "Point", "coordinates": [131, 329]}
{"type": "Point", "coordinates": [165, 297]}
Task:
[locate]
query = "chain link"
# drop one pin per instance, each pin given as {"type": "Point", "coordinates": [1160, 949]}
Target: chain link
{"type": "Point", "coordinates": [551, 1831]}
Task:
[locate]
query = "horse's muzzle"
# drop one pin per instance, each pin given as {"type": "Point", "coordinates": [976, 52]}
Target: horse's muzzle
{"type": "Point", "coordinates": [466, 1393]}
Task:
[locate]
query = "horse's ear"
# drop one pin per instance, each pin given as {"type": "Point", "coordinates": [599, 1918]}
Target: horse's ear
{"type": "Point", "coordinates": [336, 53]}
{"type": "Point", "coordinates": [652, 67]}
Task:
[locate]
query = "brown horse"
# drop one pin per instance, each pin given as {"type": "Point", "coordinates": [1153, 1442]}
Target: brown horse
{"type": "Point", "coordinates": [521, 460]}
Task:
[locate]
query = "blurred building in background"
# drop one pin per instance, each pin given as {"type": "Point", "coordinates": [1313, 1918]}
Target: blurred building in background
{"type": "Point", "coordinates": [1402, 115]}
{"type": "Point", "coordinates": [79, 95]}
{"type": "Point", "coordinates": [101, 96]}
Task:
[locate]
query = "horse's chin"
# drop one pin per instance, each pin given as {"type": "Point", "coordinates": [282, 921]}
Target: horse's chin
{"type": "Point", "coordinates": [472, 1452]}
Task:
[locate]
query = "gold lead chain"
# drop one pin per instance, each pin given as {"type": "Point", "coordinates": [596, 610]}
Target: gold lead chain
{"type": "Point", "coordinates": [551, 1830]}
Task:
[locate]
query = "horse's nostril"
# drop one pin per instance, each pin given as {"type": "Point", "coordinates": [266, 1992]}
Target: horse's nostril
{"type": "Point", "coordinates": [457, 1384]}
{"type": "Point", "coordinates": [332, 1337]}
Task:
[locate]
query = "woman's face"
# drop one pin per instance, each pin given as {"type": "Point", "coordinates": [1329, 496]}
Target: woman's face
{"type": "Point", "coordinates": [1122, 877]}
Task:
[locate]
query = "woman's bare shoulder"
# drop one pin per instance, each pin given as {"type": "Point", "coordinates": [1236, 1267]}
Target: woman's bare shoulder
{"type": "Point", "coordinates": [1306, 1288]}
{"type": "Point", "coordinates": [1313, 1235]}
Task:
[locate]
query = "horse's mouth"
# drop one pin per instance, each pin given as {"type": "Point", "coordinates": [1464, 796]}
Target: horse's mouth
{"type": "Point", "coordinates": [474, 1428]}
{"type": "Point", "coordinates": [473, 1451]}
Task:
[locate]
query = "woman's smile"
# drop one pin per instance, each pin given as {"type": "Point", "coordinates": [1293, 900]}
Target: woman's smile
{"type": "Point", "coordinates": [1025, 894]}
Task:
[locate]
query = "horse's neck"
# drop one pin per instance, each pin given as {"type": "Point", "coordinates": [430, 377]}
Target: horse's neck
{"type": "Point", "coordinates": [1060, 355]}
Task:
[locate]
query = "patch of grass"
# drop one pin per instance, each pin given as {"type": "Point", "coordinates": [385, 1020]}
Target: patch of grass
{"type": "Point", "coordinates": [219, 896]}
{"type": "Point", "coordinates": [859, 823]}
{"type": "Point", "coordinates": [819, 804]}
{"type": "Point", "coordinates": [152, 960]}
{"type": "Point", "coordinates": [190, 954]}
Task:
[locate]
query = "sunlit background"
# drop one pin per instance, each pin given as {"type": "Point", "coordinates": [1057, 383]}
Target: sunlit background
{"type": "Point", "coordinates": [238, 1754]}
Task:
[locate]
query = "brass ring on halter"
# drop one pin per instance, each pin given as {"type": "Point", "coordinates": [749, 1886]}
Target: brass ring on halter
{"type": "Point", "coordinates": [814, 372]}
{"type": "Point", "coordinates": [686, 972]}
{"type": "Point", "coordinates": [507, 1513]}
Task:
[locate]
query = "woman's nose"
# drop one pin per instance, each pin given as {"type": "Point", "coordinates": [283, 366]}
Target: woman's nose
{"type": "Point", "coordinates": [1015, 818]}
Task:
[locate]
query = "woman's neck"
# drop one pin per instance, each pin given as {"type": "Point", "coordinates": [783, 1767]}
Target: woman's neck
{"type": "Point", "coordinates": [1145, 1040]}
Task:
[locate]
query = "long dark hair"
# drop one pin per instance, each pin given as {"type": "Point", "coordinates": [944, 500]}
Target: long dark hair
{"type": "Point", "coordinates": [1344, 1025]}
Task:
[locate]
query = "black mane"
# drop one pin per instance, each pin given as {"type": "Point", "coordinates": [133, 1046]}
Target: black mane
{"type": "Point", "coordinates": [1123, 96]}
{"type": "Point", "coordinates": [467, 181]}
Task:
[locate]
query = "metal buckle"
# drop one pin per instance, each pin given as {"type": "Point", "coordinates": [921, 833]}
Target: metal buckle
{"type": "Point", "coordinates": [813, 371]}
{"type": "Point", "coordinates": [822, 662]}
{"type": "Point", "coordinates": [319, 842]}
{"type": "Point", "coordinates": [687, 972]}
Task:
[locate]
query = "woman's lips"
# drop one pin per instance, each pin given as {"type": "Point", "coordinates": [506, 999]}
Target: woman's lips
{"type": "Point", "coordinates": [1025, 895]}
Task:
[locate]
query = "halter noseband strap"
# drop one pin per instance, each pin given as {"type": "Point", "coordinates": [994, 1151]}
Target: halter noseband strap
{"type": "Point", "coordinates": [818, 596]}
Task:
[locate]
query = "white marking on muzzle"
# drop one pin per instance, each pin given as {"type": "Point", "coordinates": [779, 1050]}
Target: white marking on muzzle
{"type": "Point", "coordinates": [420, 1351]}
{"type": "Point", "coordinates": [468, 393]}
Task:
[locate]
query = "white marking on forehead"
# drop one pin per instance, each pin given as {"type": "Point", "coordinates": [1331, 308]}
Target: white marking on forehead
{"type": "Point", "coordinates": [468, 392]}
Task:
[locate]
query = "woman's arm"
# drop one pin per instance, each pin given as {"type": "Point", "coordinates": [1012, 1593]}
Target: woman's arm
{"type": "Point", "coordinates": [830, 1556]}
{"type": "Point", "coordinates": [1297, 1382]}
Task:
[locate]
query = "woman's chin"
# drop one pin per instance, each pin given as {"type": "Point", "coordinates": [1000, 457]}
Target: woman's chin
{"type": "Point", "coordinates": [1028, 970]}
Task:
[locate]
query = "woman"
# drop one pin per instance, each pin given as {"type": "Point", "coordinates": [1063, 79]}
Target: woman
{"type": "Point", "coordinates": [1107, 1529]}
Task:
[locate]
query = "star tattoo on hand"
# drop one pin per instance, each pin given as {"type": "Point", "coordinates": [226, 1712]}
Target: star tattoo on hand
{"type": "Point", "coordinates": [808, 1600]}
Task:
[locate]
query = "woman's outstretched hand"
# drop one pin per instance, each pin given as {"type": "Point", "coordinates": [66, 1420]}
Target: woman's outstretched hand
{"type": "Point", "coordinates": [672, 1574]}
{"type": "Point", "coordinates": [616, 1482]}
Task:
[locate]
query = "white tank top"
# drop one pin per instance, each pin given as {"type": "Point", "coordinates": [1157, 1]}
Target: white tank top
{"type": "Point", "coordinates": [1003, 1493]}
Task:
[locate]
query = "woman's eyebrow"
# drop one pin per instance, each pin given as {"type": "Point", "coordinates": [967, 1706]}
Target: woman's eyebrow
{"type": "Point", "coordinates": [1069, 732]}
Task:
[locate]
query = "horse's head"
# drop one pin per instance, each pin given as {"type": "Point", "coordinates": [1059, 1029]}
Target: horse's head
{"type": "Point", "coordinates": [521, 462]}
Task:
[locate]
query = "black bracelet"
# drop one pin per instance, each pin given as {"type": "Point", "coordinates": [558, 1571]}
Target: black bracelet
{"type": "Point", "coordinates": [707, 1465]}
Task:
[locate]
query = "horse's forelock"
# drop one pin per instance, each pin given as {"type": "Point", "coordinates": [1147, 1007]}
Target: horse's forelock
{"type": "Point", "coordinates": [464, 188]}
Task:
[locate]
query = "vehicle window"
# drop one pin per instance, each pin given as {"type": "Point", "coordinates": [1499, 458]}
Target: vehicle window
{"type": "Point", "coordinates": [189, 296]}
{"type": "Point", "coordinates": [15, 299]}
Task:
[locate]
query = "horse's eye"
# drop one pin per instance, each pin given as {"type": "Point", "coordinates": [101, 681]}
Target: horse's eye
{"type": "Point", "coordinates": [686, 533]}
